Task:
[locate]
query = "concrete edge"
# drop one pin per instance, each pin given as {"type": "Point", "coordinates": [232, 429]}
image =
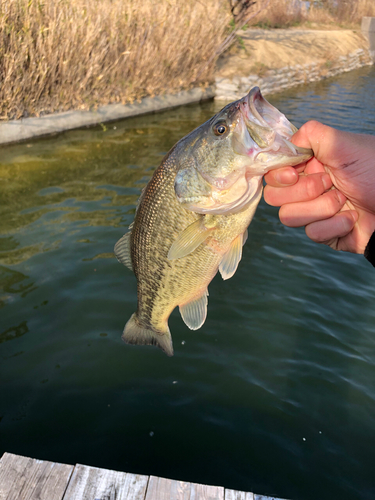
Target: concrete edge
{"type": "Point", "coordinates": [225, 89]}
{"type": "Point", "coordinates": [28, 128]}
{"type": "Point", "coordinates": [368, 30]}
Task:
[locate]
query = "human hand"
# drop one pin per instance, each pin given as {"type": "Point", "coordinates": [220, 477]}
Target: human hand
{"type": "Point", "coordinates": [333, 194]}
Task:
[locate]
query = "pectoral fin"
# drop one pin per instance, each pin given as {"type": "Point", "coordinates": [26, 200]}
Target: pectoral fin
{"type": "Point", "coordinates": [228, 266]}
{"type": "Point", "coordinates": [189, 239]}
{"type": "Point", "coordinates": [122, 251]}
{"type": "Point", "coordinates": [194, 313]}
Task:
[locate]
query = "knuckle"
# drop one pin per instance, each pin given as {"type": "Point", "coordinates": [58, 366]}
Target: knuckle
{"type": "Point", "coordinates": [310, 126]}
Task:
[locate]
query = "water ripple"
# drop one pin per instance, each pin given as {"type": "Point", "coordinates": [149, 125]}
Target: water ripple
{"type": "Point", "coordinates": [275, 391]}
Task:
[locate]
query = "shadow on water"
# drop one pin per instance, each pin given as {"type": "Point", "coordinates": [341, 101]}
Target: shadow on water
{"type": "Point", "coordinates": [274, 394]}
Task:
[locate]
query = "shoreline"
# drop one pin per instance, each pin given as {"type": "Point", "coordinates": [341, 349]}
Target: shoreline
{"type": "Point", "coordinates": [15, 131]}
{"type": "Point", "coordinates": [327, 54]}
{"type": "Point", "coordinates": [276, 60]}
{"type": "Point", "coordinates": [276, 80]}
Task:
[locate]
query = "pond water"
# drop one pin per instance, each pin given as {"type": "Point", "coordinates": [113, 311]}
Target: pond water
{"type": "Point", "coordinates": [274, 394]}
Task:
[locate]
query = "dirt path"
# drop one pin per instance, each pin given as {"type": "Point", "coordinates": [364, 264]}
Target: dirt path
{"type": "Point", "coordinates": [272, 49]}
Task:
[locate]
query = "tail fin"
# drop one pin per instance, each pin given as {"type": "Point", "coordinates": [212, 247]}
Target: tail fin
{"type": "Point", "coordinates": [136, 333]}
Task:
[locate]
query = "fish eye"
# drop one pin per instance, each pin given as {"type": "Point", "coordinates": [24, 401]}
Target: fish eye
{"type": "Point", "coordinates": [220, 129]}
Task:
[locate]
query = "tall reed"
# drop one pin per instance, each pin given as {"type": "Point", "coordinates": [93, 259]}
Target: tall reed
{"type": "Point", "coordinates": [61, 54]}
{"type": "Point", "coordinates": [286, 13]}
{"type": "Point", "coordinates": [57, 55]}
{"type": "Point", "coordinates": [352, 10]}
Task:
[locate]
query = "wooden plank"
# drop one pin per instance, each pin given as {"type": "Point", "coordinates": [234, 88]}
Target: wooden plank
{"type": "Point", "coordinates": [244, 495]}
{"type": "Point", "coordinates": [263, 497]}
{"type": "Point", "coordinates": [23, 478]}
{"type": "Point", "coordinates": [167, 489]}
{"type": "Point", "coordinates": [91, 483]}
{"type": "Point", "coordinates": [238, 495]}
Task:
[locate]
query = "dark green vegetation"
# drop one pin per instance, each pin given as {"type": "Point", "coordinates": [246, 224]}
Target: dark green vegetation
{"type": "Point", "coordinates": [275, 394]}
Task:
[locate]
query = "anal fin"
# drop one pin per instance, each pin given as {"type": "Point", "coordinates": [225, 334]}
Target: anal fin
{"type": "Point", "coordinates": [194, 313]}
{"type": "Point", "coordinates": [228, 265]}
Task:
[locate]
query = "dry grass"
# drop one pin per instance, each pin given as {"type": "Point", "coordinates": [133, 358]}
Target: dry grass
{"type": "Point", "coordinates": [62, 54]}
{"type": "Point", "coordinates": [334, 13]}
{"type": "Point", "coordinates": [57, 55]}
{"type": "Point", "coordinates": [352, 11]}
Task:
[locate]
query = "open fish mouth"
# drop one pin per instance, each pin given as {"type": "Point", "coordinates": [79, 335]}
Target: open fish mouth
{"type": "Point", "coordinates": [271, 131]}
{"type": "Point", "coordinates": [267, 115]}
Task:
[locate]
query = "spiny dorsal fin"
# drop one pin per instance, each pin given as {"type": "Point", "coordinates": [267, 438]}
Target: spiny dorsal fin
{"type": "Point", "coordinates": [194, 313]}
{"type": "Point", "coordinates": [122, 251]}
{"type": "Point", "coordinates": [190, 239]}
{"type": "Point", "coordinates": [228, 265]}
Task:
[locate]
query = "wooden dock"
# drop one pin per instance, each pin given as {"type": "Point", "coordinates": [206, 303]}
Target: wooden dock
{"type": "Point", "coordinates": [23, 478]}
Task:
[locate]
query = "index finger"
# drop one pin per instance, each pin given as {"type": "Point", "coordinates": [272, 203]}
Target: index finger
{"type": "Point", "coordinates": [285, 176]}
{"type": "Point", "coordinates": [288, 176]}
{"type": "Point", "coordinates": [307, 188]}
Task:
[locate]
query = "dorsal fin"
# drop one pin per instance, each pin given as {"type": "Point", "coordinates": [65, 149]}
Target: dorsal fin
{"type": "Point", "coordinates": [190, 239]}
{"type": "Point", "coordinates": [122, 251]}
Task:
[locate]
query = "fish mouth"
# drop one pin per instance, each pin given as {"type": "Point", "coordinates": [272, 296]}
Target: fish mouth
{"type": "Point", "coordinates": [267, 115]}
{"type": "Point", "coordinates": [271, 132]}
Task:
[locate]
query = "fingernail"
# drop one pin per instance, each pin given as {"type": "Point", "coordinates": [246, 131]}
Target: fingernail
{"type": "Point", "coordinates": [341, 198]}
{"type": "Point", "coordinates": [347, 222]}
{"type": "Point", "coordinates": [354, 214]}
{"type": "Point", "coordinates": [326, 180]}
{"type": "Point", "coordinates": [286, 178]}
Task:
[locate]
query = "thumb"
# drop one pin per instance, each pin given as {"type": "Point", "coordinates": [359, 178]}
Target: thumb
{"type": "Point", "coordinates": [332, 147]}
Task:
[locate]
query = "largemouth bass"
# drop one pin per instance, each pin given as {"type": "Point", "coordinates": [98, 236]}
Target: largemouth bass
{"type": "Point", "coordinates": [192, 217]}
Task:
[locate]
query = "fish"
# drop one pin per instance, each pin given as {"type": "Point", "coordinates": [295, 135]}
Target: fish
{"type": "Point", "coordinates": [192, 217]}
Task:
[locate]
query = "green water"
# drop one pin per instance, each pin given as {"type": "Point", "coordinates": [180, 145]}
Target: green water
{"type": "Point", "coordinates": [274, 394]}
